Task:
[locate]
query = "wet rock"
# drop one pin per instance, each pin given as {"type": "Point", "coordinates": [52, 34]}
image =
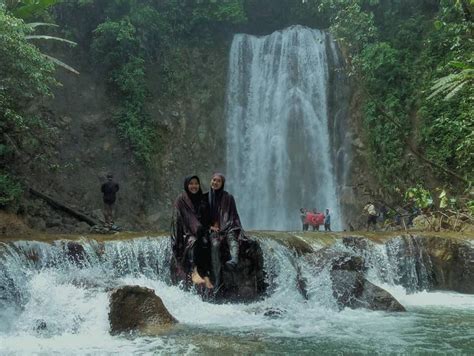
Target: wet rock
{"type": "Point", "coordinates": [138, 309]}
{"type": "Point", "coordinates": [105, 229]}
{"type": "Point", "coordinates": [433, 263]}
{"type": "Point", "coordinates": [273, 313]}
{"type": "Point", "coordinates": [349, 263]}
{"type": "Point", "coordinates": [53, 223]}
{"type": "Point", "coordinates": [153, 219]}
{"type": "Point", "coordinates": [349, 286]}
{"type": "Point", "coordinates": [82, 227]}
{"type": "Point", "coordinates": [41, 325]}
{"type": "Point", "coordinates": [12, 225]}
{"type": "Point", "coordinates": [423, 222]}
{"type": "Point", "coordinates": [357, 243]}
{"type": "Point", "coordinates": [75, 252]}
{"type": "Point", "coordinates": [37, 223]}
{"type": "Point", "coordinates": [452, 264]}
{"type": "Point", "coordinates": [98, 214]}
{"type": "Point", "coordinates": [245, 283]}
{"type": "Point", "coordinates": [376, 298]}
{"type": "Point", "coordinates": [352, 290]}
{"type": "Point", "coordinates": [301, 283]}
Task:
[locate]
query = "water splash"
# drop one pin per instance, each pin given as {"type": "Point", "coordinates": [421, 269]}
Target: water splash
{"type": "Point", "coordinates": [60, 304]}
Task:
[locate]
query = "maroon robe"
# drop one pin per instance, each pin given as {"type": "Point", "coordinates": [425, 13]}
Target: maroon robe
{"type": "Point", "coordinates": [228, 217]}
{"type": "Point", "coordinates": [187, 226]}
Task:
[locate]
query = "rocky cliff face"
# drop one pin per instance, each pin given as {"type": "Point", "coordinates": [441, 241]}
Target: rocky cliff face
{"type": "Point", "coordinates": [190, 130]}
{"type": "Point", "coordinates": [85, 146]}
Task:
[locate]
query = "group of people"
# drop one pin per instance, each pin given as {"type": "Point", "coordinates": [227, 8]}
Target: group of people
{"type": "Point", "coordinates": [203, 224]}
{"type": "Point", "coordinates": [315, 219]}
{"type": "Point", "coordinates": [399, 216]}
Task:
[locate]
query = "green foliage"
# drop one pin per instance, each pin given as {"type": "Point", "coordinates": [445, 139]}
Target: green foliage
{"type": "Point", "coordinates": [117, 48]}
{"type": "Point", "coordinates": [420, 196]}
{"type": "Point", "coordinates": [400, 52]}
{"type": "Point", "coordinates": [352, 26]}
{"type": "Point", "coordinates": [136, 32]}
{"type": "Point", "coordinates": [25, 72]}
{"type": "Point", "coordinates": [25, 77]}
{"type": "Point", "coordinates": [10, 190]}
{"type": "Point", "coordinates": [453, 83]}
{"type": "Point", "coordinates": [27, 9]}
{"type": "Point", "coordinates": [448, 125]}
{"type": "Point", "coordinates": [115, 43]}
{"type": "Point", "coordinates": [448, 136]}
{"type": "Point", "coordinates": [206, 12]}
{"type": "Point", "coordinates": [470, 207]}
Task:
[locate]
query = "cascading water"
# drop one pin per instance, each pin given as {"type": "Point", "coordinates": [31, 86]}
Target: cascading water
{"type": "Point", "coordinates": [55, 301]}
{"type": "Point", "coordinates": [285, 146]}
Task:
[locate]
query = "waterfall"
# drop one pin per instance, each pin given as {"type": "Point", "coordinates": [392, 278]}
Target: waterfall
{"type": "Point", "coordinates": [285, 140]}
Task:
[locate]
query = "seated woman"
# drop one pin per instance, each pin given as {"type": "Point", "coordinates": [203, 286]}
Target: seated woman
{"type": "Point", "coordinates": [189, 233]}
{"type": "Point", "coordinates": [224, 224]}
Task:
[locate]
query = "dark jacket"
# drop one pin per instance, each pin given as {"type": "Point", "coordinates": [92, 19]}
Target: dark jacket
{"type": "Point", "coordinates": [188, 222]}
{"type": "Point", "coordinates": [109, 189]}
{"type": "Point", "coordinates": [227, 216]}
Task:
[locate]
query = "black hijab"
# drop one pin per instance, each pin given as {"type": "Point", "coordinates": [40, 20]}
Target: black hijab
{"type": "Point", "coordinates": [195, 198]}
{"type": "Point", "coordinates": [215, 197]}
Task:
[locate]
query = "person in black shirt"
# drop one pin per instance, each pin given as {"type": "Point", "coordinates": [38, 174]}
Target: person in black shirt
{"type": "Point", "coordinates": [109, 190]}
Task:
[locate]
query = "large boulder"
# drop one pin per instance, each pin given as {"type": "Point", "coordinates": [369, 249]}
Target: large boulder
{"type": "Point", "coordinates": [138, 309]}
{"type": "Point", "coordinates": [350, 287]}
{"type": "Point", "coordinates": [245, 283]}
{"type": "Point", "coordinates": [452, 263]}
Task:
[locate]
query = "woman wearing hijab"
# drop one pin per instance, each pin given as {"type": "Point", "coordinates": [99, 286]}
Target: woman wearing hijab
{"type": "Point", "coordinates": [224, 225]}
{"type": "Point", "coordinates": [190, 226]}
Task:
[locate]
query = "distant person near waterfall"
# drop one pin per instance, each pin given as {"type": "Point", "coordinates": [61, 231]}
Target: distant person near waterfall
{"type": "Point", "coordinates": [190, 240]}
{"type": "Point", "coordinates": [327, 221]}
{"type": "Point", "coordinates": [109, 190]}
{"type": "Point", "coordinates": [372, 215]}
{"type": "Point", "coordinates": [225, 226]}
{"type": "Point", "coordinates": [303, 213]}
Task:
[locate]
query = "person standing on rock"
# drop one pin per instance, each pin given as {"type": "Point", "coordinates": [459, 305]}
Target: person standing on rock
{"type": "Point", "coordinates": [109, 190]}
{"type": "Point", "coordinates": [225, 226]}
{"type": "Point", "coordinates": [190, 234]}
{"type": "Point", "coordinates": [372, 215]}
{"type": "Point", "coordinates": [327, 221]}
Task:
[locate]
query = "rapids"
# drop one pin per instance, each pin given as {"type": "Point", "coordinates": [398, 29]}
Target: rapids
{"type": "Point", "coordinates": [52, 304]}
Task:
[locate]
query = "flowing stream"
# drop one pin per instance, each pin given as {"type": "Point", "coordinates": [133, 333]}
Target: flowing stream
{"type": "Point", "coordinates": [52, 304]}
{"type": "Point", "coordinates": [285, 112]}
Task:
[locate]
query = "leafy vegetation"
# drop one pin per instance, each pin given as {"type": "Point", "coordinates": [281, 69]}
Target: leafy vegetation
{"type": "Point", "coordinates": [412, 62]}
{"type": "Point", "coordinates": [25, 76]}
{"type": "Point", "coordinates": [10, 189]}
{"type": "Point", "coordinates": [134, 33]}
{"type": "Point", "coordinates": [404, 54]}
